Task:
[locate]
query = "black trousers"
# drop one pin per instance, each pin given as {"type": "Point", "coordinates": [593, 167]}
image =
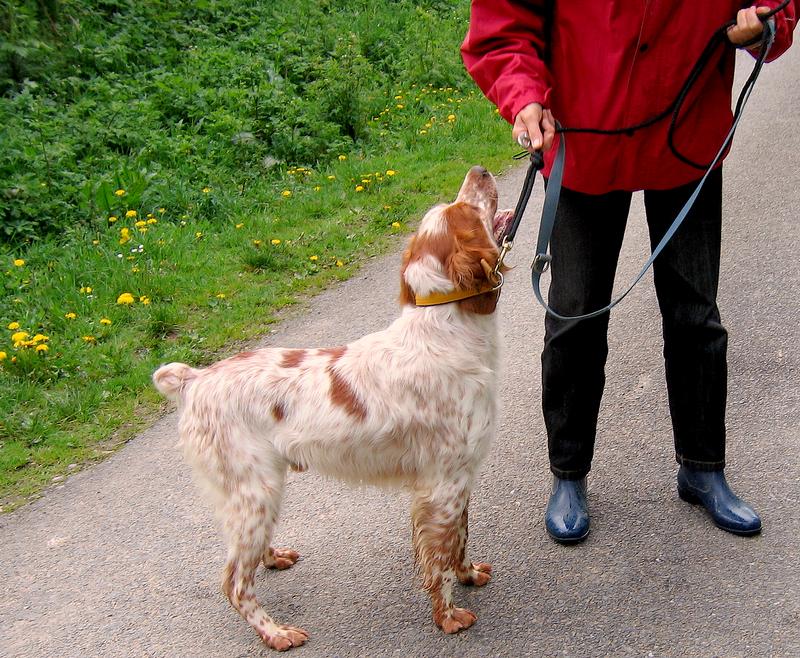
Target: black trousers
{"type": "Point", "coordinates": [585, 246]}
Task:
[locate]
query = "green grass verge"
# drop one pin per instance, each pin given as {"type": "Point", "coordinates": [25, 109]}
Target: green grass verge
{"type": "Point", "coordinates": [207, 248]}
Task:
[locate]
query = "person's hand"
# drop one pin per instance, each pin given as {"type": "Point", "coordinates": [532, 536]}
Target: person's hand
{"type": "Point", "coordinates": [534, 128]}
{"type": "Point", "coordinates": [748, 26]}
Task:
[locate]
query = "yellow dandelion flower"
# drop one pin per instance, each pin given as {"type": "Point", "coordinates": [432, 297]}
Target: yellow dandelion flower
{"type": "Point", "coordinates": [145, 300]}
{"type": "Point", "coordinates": [3, 356]}
{"type": "Point", "coordinates": [89, 339]}
{"type": "Point", "coordinates": [342, 157]}
{"type": "Point", "coordinates": [339, 263]}
{"type": "Point", "coordinates": [220, 295]}
{"type": "Point", "coordinates": [359, 188]}
{"type": "Point", "coordinates": [105, 321]}
{"type": "Point", "coordinates": [385, 207]}
{"type": "Point", "coordinates": [286, 194]}
{"type": "Point", "coordinates": [131, 213]}
{"type": "Point", "coordinates": [95, 242]}
{"type": "Point", "coordinates": [19, 262]}
{"type": "Point", "coordinates": [87, 290]}
{"type": "Point", "coordinates": [135, 270]}
{"type": "Point", "coordinates": [399, 106]}
{"type": "Point", "coordinates": [313, 258]}
{"type": "Point", "coordinates": [206, 190]}
{"type": "Point", "coordinates": [152, 220]}
{"type": "Point", "coordinates": [141, 223]}
{"type": "Point", "coordinates": [13, 325]}
{"type": "Point", "coordinates": [423, 132]}
{"type": "Point", "coordinates": [275, 241]}
{"type": "Point", "coordinates": [317, 188]}
{"type": "Point", "coordinates": [120, 192]}
{"type": "Point", "coordinates": [331, 177]}
{"type": "Point", "coordinates": [451, 117]}
{"type": "Point", "coordinates": [240, 225]}
{"type": "Point", "coordinates": [131, 258]}
{"type": "Point", "coordinates": [395, 224]}
{"type": "Point", "coordinates": [42, 348]}
{"type": "Point", "coordinates": [112, 219]}
{"type": "Point", "coordinates": [125, 298]}
{"type": "Point", "coordinates": [198, 234]}
{"type": "Point", "coordinates": [19, 336]}
{"type": "Point", "coordinates": [39, 338]}
{"type": "Point", "coordinates": [257, 243]}
{"type": "Point", "coordinates": [390, 172]}
{"type": "Point", "coordinates": [399, 97]}
{"type": "Point", "coordinates": [366, 180]}
{"type": "Point", "coordinates": [162, 210]}
{"type": "Point", "coordinates": [70, 315]}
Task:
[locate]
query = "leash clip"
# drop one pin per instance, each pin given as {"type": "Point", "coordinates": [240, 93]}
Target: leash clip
{"type": "Point", "coordinates": [504, 249]}
{"type": "Point", "coordinates": [541, 263]}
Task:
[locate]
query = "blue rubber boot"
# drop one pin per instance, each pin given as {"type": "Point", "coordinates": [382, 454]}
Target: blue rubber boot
{"type": "Point", "coordinates": [711, 490]}
{"type": "Point", "coordinates": [567, 517]}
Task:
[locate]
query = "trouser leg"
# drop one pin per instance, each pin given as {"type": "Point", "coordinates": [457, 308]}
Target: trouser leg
{"type": "Point", "coordinates": [585, 245]}
{"type": "Point", "coordinates": [695, 342]}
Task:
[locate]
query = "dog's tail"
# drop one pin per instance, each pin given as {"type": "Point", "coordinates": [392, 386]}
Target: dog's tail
{"type": "Point", "coordinates": [172, 379]}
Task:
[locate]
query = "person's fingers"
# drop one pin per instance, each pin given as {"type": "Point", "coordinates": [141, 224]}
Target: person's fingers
{"type": "Point", "coordinates": [754, 23]}
{"type": "Point", "coordinates": [527, 123]}
{"type": "Point", "coordinates": [549, 127]}
{"type": "Point", "coordinates": [748, 25]}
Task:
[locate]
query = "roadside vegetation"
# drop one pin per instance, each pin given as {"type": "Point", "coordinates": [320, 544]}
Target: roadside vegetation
{"type": "Point", "coordinates": [172, 173]}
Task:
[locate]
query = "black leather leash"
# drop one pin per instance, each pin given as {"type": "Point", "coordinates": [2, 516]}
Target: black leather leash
{"type": "Point", "coordinates": [542, 258]}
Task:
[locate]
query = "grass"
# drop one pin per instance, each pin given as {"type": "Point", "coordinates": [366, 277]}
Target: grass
{"type": "Point", "coordinates": [186, 244]}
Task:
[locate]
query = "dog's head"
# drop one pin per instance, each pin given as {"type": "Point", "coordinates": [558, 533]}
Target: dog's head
{"type": "Point", "coordinates": [445, 254]}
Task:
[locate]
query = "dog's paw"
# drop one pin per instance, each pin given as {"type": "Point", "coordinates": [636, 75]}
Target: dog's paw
{"type": "Point", "coordinates": [283, 638]}
{"type": "Point", "coordinates": [478, 574]}
{"type": "Point", "coordinates": [280, 558]}
{"type": "Point", "coordinates": [456, 619]}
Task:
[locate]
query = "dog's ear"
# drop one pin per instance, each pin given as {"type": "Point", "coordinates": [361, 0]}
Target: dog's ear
{"type": "Point", "coordinates": [472, 248]}
{"type": "Point", "coordinates": [406, 293]}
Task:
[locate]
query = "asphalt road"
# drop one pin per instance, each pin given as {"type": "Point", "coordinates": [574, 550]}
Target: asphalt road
{"type": "Point", "coordinates": [124, 560]}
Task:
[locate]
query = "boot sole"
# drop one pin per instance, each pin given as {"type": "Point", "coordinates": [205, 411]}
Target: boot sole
{"type": "Point", "coordinates": [567, 540]}
{"type": "Point", "coordinates": [690, 498]}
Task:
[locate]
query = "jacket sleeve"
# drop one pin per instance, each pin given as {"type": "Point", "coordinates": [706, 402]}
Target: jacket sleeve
{"type": "Point", "coordinates": [503, 51]}
{"type": "Point", "coordinates": [785, 21]}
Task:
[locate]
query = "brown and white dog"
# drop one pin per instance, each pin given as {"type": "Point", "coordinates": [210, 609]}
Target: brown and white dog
{"type": "Point", "coordinates": [413, 405]}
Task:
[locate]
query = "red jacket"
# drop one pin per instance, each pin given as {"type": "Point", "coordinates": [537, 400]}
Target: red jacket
{"type": "Point", "coordinates": [613, 63]}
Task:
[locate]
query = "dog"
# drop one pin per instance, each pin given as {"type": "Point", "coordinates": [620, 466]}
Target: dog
{"type": "Point", "coordinates": [413, 405]}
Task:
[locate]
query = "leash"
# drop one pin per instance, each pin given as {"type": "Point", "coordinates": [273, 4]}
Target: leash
{"type": "Point", "coordinates": [542, 258]}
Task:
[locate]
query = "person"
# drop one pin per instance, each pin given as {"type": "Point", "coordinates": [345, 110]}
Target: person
{"type": "Point", "coordinates": [609, 64]}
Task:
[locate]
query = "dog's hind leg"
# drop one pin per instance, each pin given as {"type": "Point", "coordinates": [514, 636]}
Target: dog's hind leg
{"type": "Point", "coordinates": [436, 514]}
{"type": "Point", "coordinates": [469, 573]}
{"type": "Point", "coordinates": [249, 514]}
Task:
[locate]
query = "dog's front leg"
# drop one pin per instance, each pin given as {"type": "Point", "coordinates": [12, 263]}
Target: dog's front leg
{"type": "Point", "coordinates": [468, 572]}
{"type": "Point", "coordinates": [436, 518]}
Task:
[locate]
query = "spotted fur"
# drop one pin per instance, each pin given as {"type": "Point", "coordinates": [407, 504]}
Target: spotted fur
{"type": "Point", "coordinates": [412, 405]}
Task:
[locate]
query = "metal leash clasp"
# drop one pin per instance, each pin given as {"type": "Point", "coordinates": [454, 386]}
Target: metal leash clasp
{"type": "Point", "coordinates": [504, 249]}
